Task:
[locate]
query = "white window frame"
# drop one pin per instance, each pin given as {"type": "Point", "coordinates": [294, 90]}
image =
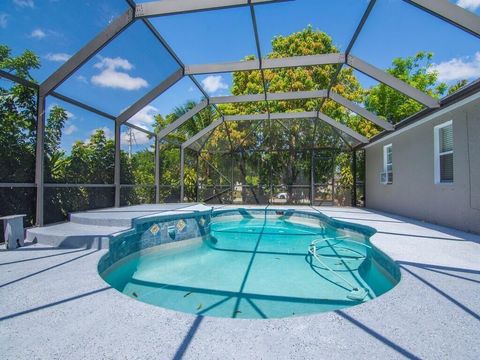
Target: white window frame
{"type": "Point", "coordinates": [437, 153]}
{"type": "Point", "coordinates": [385, 157]}
{"type": "Point", "coordinates": [385, 161]}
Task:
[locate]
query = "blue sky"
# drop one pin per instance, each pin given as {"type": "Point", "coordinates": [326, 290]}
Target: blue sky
{"type": "Point", "coordinates": [135, 62]}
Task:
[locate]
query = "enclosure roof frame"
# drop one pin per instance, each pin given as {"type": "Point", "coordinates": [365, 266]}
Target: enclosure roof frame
{"type": "Point", "coordinates": [277, 116]}
{"type": "Point", "coordinates": [442, 9]}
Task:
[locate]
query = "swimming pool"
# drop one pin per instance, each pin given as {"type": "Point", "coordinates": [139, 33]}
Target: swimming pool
{"type": "Point", "coordinates": [258, 264]}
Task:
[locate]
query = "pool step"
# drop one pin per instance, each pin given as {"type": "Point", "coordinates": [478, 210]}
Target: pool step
{"type": "Point", "coordinates": [73, 235]}
{"type": "Point", "coordinates": [124, 216]}
{"type": "Point", "coordinates": [103, 219]}
{"type": "Point", "coordinates": [93, 229]}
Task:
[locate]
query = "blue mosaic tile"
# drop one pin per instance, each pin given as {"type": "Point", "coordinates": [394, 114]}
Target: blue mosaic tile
{"type": "Point", "coordinates": [141, 237]}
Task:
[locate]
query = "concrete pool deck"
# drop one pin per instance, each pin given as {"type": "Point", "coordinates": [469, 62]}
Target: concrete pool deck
{"type": "Point", "coordinates": [54, 305]}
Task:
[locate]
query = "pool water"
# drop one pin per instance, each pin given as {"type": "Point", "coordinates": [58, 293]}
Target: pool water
{"type": "Point", "coordinates": [255, 267]}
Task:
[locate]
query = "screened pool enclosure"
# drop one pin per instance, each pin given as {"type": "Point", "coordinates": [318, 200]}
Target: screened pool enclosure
{"type": "Point", "coordinates": [257, 145]}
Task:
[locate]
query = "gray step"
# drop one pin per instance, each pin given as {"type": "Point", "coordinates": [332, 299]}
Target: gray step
{"type": "Point", "coordinates": [93, 229]}
{"type": "Point", "coordinates": [122, 217]}
{"type": "Point", "coordinates": [73, 235]}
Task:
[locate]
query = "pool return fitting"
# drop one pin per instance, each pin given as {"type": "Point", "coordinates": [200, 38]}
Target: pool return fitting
{"type": "Point", "coordinates": [356, 293]}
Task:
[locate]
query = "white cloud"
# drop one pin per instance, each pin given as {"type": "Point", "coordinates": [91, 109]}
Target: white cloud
{"type": "Point", "coordinates": [458, 68]}
{"type": "Point", "coordinates": [24, 3]}
{"type": "Point", "coordinates": [111, 77]}
{"type": "Point", "coordinates": [82, 79]}
{"type": "Point", "coordinates": [70, 115]}
{"type": "Point", "coordinates": [213, 83]}
{"type": "Point", "coordinates": [38, 34]}
{"type": "Point", "coordinates": [114, 63]}
{"type": "Point", "coordinates": [145, 117]}
{"type": "Point", "coordinates": [3, 20]}
{"type": "Point", "coordinates": [70, 129]}
{"type": "Point", "coordinates": [58, 57]}
{"type": "Point", "coordinates": [469, 4]}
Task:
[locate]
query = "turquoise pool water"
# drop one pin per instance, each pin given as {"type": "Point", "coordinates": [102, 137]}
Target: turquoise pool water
{"type": "Point", "coordinates": [256, 267]}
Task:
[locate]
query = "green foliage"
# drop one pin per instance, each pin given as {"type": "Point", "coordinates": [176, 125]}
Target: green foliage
{"type": "Point", "coordinates": [170, 149]}
{"type": "Point", "coordinates": [457, 86]}
{"type": "Point", "coordinates": [189, 128]}
{"type": "Point", "coordinates": [17, 120]}
{"type": "Point", "coordinates": [90, 162]}
{"type": "Point", "coordinates": [292, 166]}
{"type": "Point", "coordinates": [414, 70]}
{"type": "Point", "coordinates": [18, 111]}
{"type": "Point", "coordinates": [53, 129]}
{"type": "Point", "coordinates": [252, 180]}
{"type": "Point", "coordinates": [20, 65]}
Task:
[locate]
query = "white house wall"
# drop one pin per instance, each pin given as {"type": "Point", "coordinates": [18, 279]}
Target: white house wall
{"type": "Point", "coordinates": [414, 192]}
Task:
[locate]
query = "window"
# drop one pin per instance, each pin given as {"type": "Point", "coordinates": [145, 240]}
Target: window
{"type": "Point", "coordinates": [387, 175]}
{"type": "Point", "coordinates": [443, 140]}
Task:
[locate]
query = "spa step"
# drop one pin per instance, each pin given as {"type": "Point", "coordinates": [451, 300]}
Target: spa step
{"type": "Point", "coordinates": [73, 235]}
{"type": "Point", "coordinates": [124, 216]}
{"type": "Point", "coordinates": [103, 219]}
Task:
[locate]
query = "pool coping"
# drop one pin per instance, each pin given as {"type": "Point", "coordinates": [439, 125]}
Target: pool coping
{"type": "Point", "coordinates": [431, 313]}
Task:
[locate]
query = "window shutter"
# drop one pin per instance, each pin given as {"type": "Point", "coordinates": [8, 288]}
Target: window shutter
{"type": "Point", "coordinates": [445, 153]}
{"type": "Point", "coordinates": [389, 159]}
{"type": "Point", "coordinates": [446, 139]}
{"type": "Point", "coordinates": [446, 167]}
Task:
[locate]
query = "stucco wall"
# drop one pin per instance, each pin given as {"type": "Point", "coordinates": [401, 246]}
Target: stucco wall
{"type": "Point", "coordinates": [414, 192]}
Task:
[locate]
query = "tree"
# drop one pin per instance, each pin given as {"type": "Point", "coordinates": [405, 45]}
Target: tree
{"type": "Point", "coordinates": [18, 111]}
{"type": "Point", "coordinates": [392, 105]}
{"type": "Point", "coordinates": [454, 88]}
{"type": "Point", "coordinates": [170, 148]}
{"type": "Point", "coordinates": [290, 165]}
{"type": "Point", "coordinates": [55, 160]}
{"type": "Point", "coordinates": [17, 119]}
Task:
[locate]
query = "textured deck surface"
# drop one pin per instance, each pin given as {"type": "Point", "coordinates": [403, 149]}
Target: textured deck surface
{"type": "Point", "coordinates": [55, 306]}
